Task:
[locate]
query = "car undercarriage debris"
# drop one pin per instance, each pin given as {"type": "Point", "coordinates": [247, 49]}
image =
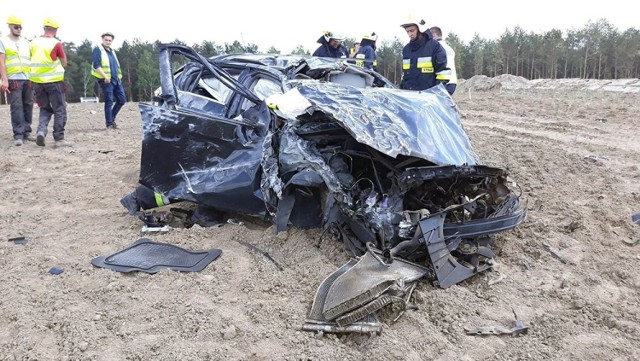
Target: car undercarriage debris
{"type": "Point", "coordinates": [348, 299]}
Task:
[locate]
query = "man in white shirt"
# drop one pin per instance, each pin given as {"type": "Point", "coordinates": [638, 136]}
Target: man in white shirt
{"type": "Point", "coordinates": [451, 59]}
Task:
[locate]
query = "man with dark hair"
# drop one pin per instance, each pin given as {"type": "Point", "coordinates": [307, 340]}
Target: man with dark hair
{"type": "Point", "coordinates": [451, 59]}
{"type": "Point", "coordinates": [424, 60]}
{"type": "Point", "coordinates": [106, 69]}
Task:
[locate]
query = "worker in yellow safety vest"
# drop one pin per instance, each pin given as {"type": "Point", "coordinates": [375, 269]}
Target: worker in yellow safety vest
{"type": "Point", "coordinates": [48, 61]}
{"type": "Point", "coordinates": [15, 62]}
{"type": "Point", "coordinates": [106, 69]}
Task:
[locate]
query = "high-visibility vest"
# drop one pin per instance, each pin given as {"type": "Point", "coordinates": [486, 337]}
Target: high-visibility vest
{"type": "Point", "coordinates": [105, 65]}
{"type": "Point", "coordinates": [43, 68]}
{"type": "Point", "coordinates": [18, 55]}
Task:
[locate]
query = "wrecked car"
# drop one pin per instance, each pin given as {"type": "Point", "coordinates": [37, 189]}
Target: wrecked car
{"type": "Point", "coordinates": [314, 142]}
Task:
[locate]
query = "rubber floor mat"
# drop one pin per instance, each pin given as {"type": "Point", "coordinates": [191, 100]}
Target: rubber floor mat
{"type": "Point", "coordinates": [148, 256]}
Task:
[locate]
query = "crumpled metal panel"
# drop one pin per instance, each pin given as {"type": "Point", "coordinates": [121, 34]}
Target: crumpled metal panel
{"type": "Point", "coordinates": [204, 160]}
{"type": "Point", "coordinates": [297, 154]}
{"type": "Point", "coordinates": [419, 124]}
{"type": "Point", "coordinates": [365, 281]}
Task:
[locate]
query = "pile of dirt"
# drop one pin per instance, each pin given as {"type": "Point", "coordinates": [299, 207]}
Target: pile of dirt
{"type": "Point", "coordinates": [508, 81]}
{"type": "Point", "coordinates": [618, 85]}
{"type": "Point", "coordinates": [512, 82]}
{"type": "Point", "coordinates": [478, 83]}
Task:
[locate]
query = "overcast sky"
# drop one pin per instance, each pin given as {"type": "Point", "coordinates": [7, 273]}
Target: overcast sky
{"type": "Point", "coordinates": [288, 24]}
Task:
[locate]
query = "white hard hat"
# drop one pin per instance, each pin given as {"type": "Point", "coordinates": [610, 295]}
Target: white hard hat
{"type": "Point", "coordinates": [420, 23]}
{"type": "Point", "coordinates": [373, 37]}
{"type": "Point", "coordinates": [329, 35]}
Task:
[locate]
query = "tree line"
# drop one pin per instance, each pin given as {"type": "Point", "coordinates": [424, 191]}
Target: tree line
{"type": "Point", "coordinates": [596, 51]}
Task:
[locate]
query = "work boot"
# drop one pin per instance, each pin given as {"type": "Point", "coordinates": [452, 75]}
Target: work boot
{"type": "Point", "coordinates": [112, 126]}
{"type": "Point", "coordinates": [29, 138]}
{"type": "Point", "coordinates": [40, 139]}
{"type": "Point", "coordinates": [63, 143]}
{"type": "Point", "coordinates": [17, 142]}
{"type": "Point", "coordinates": [130, 203]}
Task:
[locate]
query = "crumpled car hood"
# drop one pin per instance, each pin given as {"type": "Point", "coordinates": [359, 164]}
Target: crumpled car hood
{"type": "Point", "coordinates": [418, 124]}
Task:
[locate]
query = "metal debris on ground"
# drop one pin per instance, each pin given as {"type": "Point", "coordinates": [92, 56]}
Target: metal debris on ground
{"type": "Point", "coordinates": [498, 278]}
{"type": "Point", "coordinates": [595, 158]}
{"type": "Point", "coordinates": [262, 252]}
{"type": "Point", "coordinates": [348, 299]}
{"type": "Point", "coordinates": [18, 240]}
{"type": "Point", "coordinates": [163, 229]}
{"type": "Point", "coordinates": [56, 270]}
{"type": "Point", "coordinates": [518, 328]}
{"type": "Point", "coordinates": [557, 254]}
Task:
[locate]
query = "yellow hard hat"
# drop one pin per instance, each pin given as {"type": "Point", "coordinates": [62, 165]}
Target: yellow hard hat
{"type": "Point", "coordinates": [14, 20]}
{"type": "Point", "coordinates": [49, 22]}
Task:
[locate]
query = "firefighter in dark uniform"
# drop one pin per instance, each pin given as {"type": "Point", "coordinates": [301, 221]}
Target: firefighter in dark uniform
{"type": "Point", "coordinates": [424, 60]}
{"type": "Point", "coordinates": [366, 56]}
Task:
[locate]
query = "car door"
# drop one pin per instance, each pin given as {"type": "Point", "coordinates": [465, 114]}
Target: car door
{"type": "Point", "coordinates": [191, 149]}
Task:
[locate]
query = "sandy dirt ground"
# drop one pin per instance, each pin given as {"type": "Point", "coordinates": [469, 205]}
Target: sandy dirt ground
{"type": "Point", "coordinates": [575, 154]}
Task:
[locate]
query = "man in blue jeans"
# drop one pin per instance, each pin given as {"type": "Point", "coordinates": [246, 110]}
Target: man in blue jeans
{"type": "Point", "coordinates": [106, 69]}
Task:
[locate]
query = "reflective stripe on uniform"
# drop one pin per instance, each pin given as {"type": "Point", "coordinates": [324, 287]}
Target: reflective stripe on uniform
{"type": "Point", "coordinates": [425, 65]}
{"type": "Point", "coordinates": [425, 62]}
{"type": "Point", "coordinates": [17, 64]}
{"type": "Point", "coordinates": [159, 200]}
{"type": "Point", "coordinates": [443, 75]}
